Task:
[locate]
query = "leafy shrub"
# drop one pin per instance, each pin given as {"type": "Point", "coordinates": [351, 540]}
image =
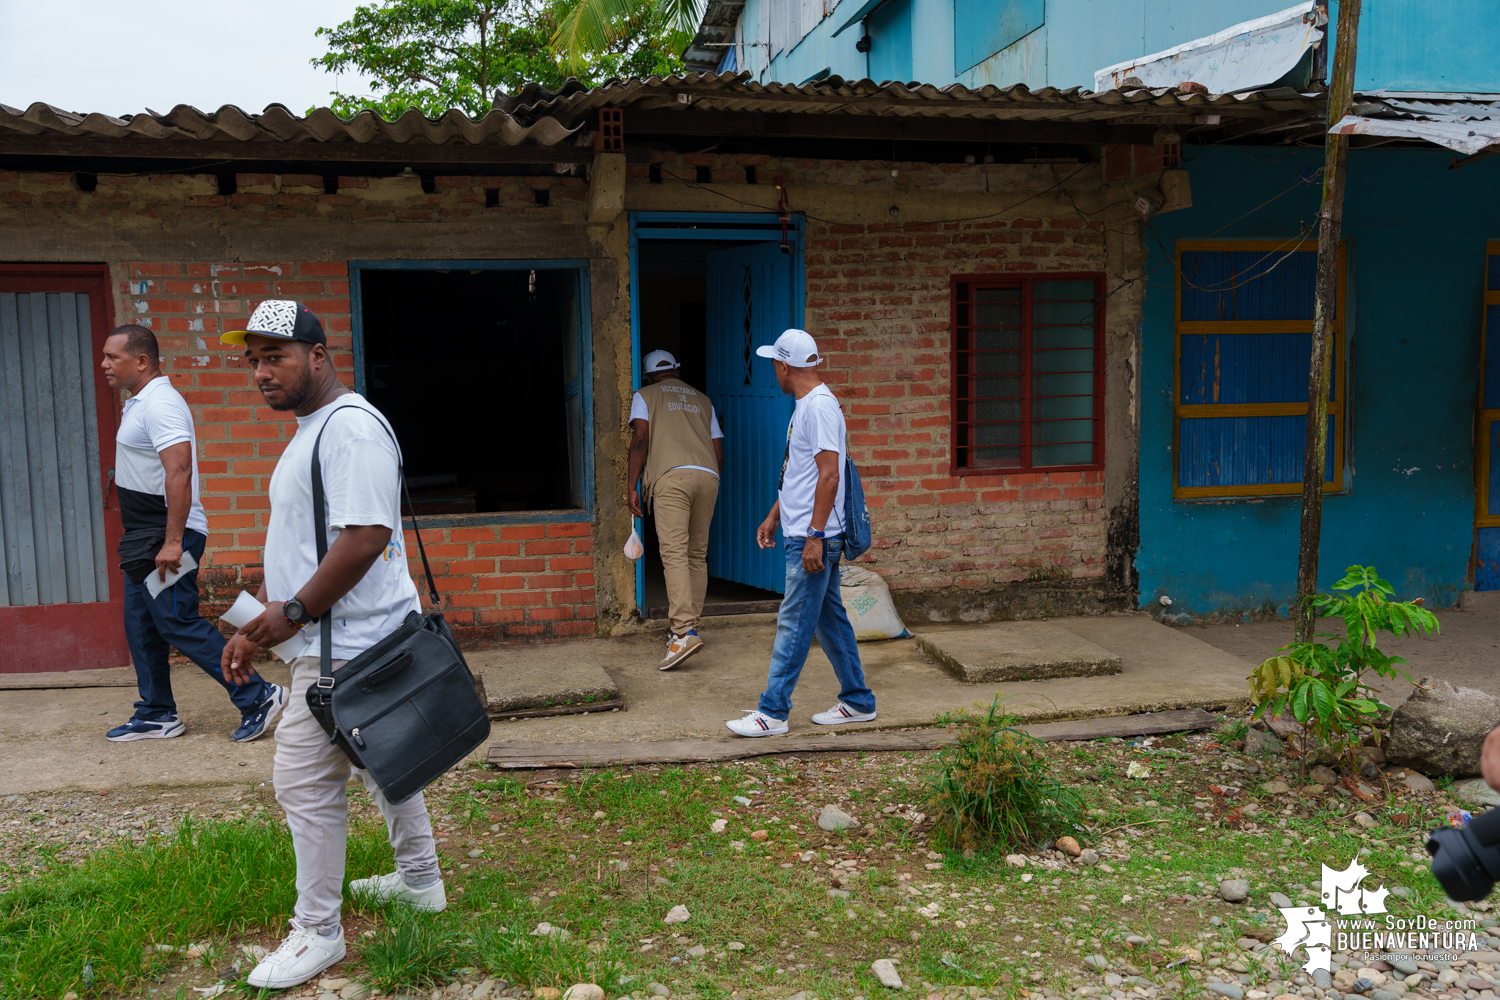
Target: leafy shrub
{"type": "Point", "coordinates": [994, 785]}
{"type": "Point", "coordinates": [1321, 682]}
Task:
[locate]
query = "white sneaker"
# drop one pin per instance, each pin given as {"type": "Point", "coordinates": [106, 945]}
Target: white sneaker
{"type": "Point", "coordinates": [303, 955]}
{"type": "Point", "coordinates": [757, 723]}
{"type": "Point", "coordinates": [381, 888]}
{"type": "Point", "coordinates": [841, 713]}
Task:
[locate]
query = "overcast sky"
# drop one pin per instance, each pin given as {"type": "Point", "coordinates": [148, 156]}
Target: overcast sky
{"type": "Point", "coordinates": [123, 56]}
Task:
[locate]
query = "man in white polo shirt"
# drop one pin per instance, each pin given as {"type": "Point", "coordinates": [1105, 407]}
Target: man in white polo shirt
{"type": "Point", "coordinates": [676, 452]}
{"type": "Point", "coordinates": [156, 479]}
{"type": "Point", "coordinates": [809, 508]}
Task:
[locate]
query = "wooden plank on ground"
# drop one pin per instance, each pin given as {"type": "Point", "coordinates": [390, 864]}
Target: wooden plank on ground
{"type": "Point", "coordinates": [105, 677]}
{"type": "Point", "coordinates": [519, 756]}
{"type": "Point", "coordinates": [503, 714]}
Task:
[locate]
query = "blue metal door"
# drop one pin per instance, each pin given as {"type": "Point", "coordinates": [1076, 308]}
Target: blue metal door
{"type": "Point", "coordinates": [751, 299]}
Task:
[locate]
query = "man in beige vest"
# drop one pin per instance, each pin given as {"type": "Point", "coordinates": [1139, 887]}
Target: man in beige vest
{"type": "Point", "coordinates": [676, 451]}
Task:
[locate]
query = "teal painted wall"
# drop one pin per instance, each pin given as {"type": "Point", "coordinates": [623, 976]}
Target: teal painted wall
{"type": "Point", "coordinates": [1416, 268]}
{"type": "Point", "coordinates": [1404, 44]}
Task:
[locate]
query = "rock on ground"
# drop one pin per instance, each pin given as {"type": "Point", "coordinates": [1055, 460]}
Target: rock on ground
{"type": "Point", "coordinates": [1323, 775]}
{"type": "Point", "coordinates": [1281, 902]}
{"type": "Point", "coordinates": [677, 915]}
{"type": "Point", "coordinates": [834, 818]}
{"type": "Point", "coordinates": [1068, 846]}
{"type": "Point", "coordinates": [1257, 742]}
{"type": "Point", "coordinates": [1229, 990]}
{"type": "Point", "coordinates": [1476, 792]}
{"type": "Point", "coordinates": [1098, 963]}
{"type": "Point", "coordinates": [583, 991]}
{"type": "Point", "coordinates": [1234, 890]}
{"type": "Point", "coordinates": [885, 971]}
{"type": "Point", "coordinates": [1441, 728]}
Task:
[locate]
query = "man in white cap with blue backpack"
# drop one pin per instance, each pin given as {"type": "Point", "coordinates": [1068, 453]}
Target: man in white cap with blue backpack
{"type": "Point", "coordinates": [810, 511]}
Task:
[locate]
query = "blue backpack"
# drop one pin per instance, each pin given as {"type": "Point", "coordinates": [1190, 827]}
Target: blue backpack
{"type": "Point", "coordinates": [856, 514]}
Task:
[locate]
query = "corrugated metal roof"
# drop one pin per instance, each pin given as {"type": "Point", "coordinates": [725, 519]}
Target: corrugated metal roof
{"type": "Point", "coordinates": [542, 117]}
{"type": "Point", "coordinates": [1466, 123]}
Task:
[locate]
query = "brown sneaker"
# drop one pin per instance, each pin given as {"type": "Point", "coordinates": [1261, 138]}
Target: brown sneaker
{"type": "Point", "coordinates": [679, 648]}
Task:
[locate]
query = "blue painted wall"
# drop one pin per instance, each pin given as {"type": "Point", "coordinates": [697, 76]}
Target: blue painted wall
{"type": "Point", "coordinates": [1404, 44]}
{"type": "Point", "coordinates": [1415, 292]}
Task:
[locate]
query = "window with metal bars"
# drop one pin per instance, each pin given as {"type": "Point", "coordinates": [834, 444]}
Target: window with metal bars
{"type": "Point", "coordinates": [1028, 372]}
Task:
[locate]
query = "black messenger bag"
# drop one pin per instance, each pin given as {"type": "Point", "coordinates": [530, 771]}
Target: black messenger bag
{"type": "Point", "coordinates": [405, 709]}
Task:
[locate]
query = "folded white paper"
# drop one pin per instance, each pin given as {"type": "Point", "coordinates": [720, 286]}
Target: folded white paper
{"type": "Point", "coordinates": [155, 584]}
{"type": "Point", "coordinates": [246, 609]}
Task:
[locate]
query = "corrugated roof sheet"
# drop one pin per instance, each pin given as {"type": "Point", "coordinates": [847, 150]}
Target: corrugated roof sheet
{"type": "Point", "coordinates": [1466, 123]}
{"type": "Point", "coordinates": [545, 117]}
{"type": "Point", "coordinates": [278, 124]}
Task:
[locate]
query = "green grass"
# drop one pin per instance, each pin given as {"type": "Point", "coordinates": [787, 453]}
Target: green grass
{"type": "Point", "coordinates": [608, 881]}
{"type": "Point", "coordinates": [95, 925]}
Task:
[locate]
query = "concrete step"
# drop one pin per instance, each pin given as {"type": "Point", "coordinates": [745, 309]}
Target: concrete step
{"type": "Point", "coordinates": [539, 675]}
{"type": "Point", "coordinates": [1016, 651]}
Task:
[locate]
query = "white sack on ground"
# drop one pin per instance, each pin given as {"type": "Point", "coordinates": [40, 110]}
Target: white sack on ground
{"type": "Point", "coordinates": [868, 601]}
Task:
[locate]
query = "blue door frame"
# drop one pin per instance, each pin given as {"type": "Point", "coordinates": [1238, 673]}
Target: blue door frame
{"type": "Point", "coordinates": [586, 362]}
{"type": "Point", "coordinates": [741, 226]}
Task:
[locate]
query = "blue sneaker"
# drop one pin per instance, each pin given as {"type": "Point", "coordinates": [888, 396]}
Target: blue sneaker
{"type": "Point", "coordinates": [146, 729]}
{"type": "Point", "coordinates": [259, 719]}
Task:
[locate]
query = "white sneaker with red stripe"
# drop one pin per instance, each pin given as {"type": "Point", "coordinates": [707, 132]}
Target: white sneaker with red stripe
{"type": "Point", "coordinates": [840, 714]}
{"type": "Point", "coordinates": [757, 723]}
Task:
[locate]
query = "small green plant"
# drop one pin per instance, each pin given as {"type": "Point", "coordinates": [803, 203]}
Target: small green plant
{"type": "Point", "coordinates": [994, 785]}
{"type": "Point", "coordinates": [1321, 682]}
{"type": "Point", "coordinates": [411, 950]}
{"type": "Point", "coordinates": [1233, 729]}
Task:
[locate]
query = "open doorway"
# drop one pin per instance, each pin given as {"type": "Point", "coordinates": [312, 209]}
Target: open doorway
{"type": "Point", "coordinates": [455, 356]}
{"type": "Point", "coordinates": [710, 294]}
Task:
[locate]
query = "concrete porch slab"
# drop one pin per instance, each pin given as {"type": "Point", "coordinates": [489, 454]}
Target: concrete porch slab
{"type": "Point", "coordinates": [1017, 651]}
{"type": "Point", "coordinates": [542, 675]}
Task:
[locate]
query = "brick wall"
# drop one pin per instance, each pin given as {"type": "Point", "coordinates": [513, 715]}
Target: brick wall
{"type": "Point", "coordinates": [878, 305]}
{"type": "Point", "coordinates": [496, 581]}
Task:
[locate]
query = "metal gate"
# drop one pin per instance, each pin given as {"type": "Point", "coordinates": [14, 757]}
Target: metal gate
{"type": "Point", "coordinates": [51, 504]}
{"type": "Point", "coordinates": [59, 524]}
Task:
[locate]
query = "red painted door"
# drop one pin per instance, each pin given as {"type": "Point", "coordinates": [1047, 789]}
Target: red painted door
{"type": "Point", "coordinates": [61, 598]}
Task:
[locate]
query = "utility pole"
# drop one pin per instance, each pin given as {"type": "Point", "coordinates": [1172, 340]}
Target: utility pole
{"type": "Point", "coordinates": [1335, 160]}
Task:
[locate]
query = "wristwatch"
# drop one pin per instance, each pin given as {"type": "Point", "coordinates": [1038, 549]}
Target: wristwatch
{"type": "Point", "coordinates": [815, 533]}
{"type": "Point", "coordinates": [296, 614]}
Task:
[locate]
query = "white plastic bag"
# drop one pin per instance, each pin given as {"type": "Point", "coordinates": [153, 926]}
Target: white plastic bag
{"type": "Point", "coordinates": [867, 599]}
{"type": "Point", "coordinates": [634, 547]}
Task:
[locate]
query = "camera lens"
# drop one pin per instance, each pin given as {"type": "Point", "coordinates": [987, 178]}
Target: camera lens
{"type": "Point", "coordinates": [1456, 864]}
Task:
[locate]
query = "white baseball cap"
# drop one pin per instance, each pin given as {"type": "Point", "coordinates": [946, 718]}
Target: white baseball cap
{"type": "Point", "coordinates": [659, 361]}
{"type": "Point", "coordinates": [793, 347]}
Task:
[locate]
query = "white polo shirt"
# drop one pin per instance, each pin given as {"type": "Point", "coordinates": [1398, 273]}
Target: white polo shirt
{"type": "Point", "coordinates": [153, 420]}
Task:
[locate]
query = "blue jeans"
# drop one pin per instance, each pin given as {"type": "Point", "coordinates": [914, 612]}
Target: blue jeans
{"type": "Point", "coordinates": [813, 606]}
{"type": "Point", "coordinates": [172, 619]}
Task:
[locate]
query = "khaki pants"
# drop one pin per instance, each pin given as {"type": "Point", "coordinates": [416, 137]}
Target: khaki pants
{"type": "Point", "coordinates": [683, 503]}
{"type": "Point", "coordinates": [312, 778]}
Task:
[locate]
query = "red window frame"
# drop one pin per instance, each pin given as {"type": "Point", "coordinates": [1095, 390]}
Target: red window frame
{"type": "Point", "coordinates": [961, 289]}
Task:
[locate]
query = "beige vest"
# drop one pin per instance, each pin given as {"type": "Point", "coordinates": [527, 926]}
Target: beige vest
{"type": "Point", "coordinates": [680, 419]}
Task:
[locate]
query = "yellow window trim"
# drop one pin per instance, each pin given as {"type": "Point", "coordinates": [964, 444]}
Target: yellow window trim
{"type": "Point", "coordinates": [1181, 411]}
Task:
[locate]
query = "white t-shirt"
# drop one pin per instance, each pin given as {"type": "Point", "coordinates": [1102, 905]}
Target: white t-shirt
{"type": "Point", "coordinates": [153, 420]}
{"type": "Point", "coordinates": [638, 411]}
{"type": "Point", "coordinates": [817, 425]}
{"type": "Point", "coordinates": [360, 487]}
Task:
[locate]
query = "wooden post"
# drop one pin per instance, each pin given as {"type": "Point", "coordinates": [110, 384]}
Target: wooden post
{"type": "Point", "coordinates": [1335, 159]}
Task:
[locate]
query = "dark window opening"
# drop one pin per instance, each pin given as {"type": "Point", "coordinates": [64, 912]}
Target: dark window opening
{"type": "Point", "coordinates": [750, 175]}
{"type": "Point", "coordinates": [543, 197]}
{"type": "Point", "coordinates": [1028, 373]}
{"type": "Point", "coordinates": [704, 175]}
{"type": "Point", "coordinates": [481, 376]}
{"type": "Point", "coordinates": [228, 183]}
{"type": "Point", "coordinates": [330, 183]}
{"type": "Point", "coordinates": [429, 181]}
{"type": "Point", "coordinates": [86, 182]}
{"type": "Point", "coordinates": [491, 197]}
{"type": "Point", "coordinates": [653, 174]}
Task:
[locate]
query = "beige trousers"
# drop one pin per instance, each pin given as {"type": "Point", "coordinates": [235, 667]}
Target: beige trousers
{"type": "Point", "coordinates": [683, 503]}
{"type": "Point", "coordinates": [312, 778]}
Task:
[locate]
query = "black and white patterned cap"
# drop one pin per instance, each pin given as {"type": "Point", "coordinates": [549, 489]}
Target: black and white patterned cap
{"type": "Point", "coordinates": [281, 319]}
